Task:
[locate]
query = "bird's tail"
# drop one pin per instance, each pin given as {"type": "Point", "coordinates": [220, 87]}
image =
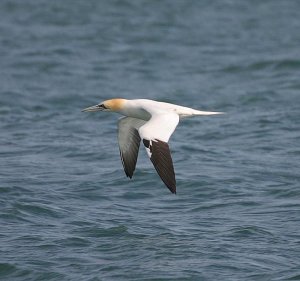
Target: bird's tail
{"type": "Point", "coordinates": [199, 112]}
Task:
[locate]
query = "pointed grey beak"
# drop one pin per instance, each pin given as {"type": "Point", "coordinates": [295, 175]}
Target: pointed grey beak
{"type": "Point", "coordinates": [93, 108]}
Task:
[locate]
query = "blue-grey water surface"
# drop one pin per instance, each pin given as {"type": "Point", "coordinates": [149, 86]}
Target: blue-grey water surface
{"type": "Point", "coordinates": [67, 210]}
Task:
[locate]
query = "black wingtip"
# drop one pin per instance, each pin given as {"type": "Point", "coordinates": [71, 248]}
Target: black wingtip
{"type": "Point", "coordinates": [172, 189]}
{"type": "Point", "coordinates": [162, 162]}
{"type": "Point", "coordinates": [128, 175]}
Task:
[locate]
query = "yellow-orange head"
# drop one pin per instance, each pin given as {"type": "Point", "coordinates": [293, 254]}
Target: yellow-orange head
{"type": "Point", "coordinates": [113, 104]}
{"type": "Point", "coordinates": [108, 105]}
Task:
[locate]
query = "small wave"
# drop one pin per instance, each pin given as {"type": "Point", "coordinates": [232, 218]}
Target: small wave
{"type": "Point", "coordinates": [263, 65]}
{"type": "Point", "coordinates": [104, 232]}
{"type": "Point", "coordinates": [40, 210]}
{"type": "Point", "coordinates": [248, 231]}
{"type": "Point", "coordinates": [6, 269]}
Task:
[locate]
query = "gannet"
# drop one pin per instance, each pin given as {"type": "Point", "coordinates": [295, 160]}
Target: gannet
{"type": "Point", "coordinates": [151, 122]}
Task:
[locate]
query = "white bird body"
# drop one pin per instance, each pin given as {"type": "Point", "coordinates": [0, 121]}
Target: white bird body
{"type": "Point", "coordinates": [144, 109]}
{"type": "Point", "coordinates": [153, 123]}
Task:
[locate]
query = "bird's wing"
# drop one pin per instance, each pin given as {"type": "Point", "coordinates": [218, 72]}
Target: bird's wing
{"type": "Point", "coordinates": [155, 135]}
{"type": "Point", "coordinates": [129, 142]}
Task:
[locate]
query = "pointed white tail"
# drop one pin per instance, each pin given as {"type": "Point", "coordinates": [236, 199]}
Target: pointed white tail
{"type": "Point", "coordinates": [198, 112]}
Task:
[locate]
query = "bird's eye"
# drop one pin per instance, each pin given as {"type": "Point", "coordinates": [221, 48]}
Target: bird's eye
{"type": "Point", "coordinates": [102, 106]}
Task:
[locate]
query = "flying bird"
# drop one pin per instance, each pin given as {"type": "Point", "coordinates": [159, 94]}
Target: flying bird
{"type": "Point", "coordinates": [151, 122]}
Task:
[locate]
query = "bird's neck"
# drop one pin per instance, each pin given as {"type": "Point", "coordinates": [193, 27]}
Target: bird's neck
{"type": "Point", "coordinates": [131, 108]}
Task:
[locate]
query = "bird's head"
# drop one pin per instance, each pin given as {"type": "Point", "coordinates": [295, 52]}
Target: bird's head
{"type": "Point", "coordinates": [113, 105]}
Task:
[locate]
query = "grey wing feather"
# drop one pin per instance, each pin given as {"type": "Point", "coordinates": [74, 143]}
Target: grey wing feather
{"type": "Point", "coordinates": [129, 142]}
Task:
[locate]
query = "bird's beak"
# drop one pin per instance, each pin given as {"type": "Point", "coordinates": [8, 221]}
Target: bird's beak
{"type": "Point", "coordinates": [93, 108]}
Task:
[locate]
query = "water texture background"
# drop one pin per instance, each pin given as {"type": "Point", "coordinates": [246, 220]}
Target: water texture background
{"type": "Point", "coordinates": [67, 210]}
